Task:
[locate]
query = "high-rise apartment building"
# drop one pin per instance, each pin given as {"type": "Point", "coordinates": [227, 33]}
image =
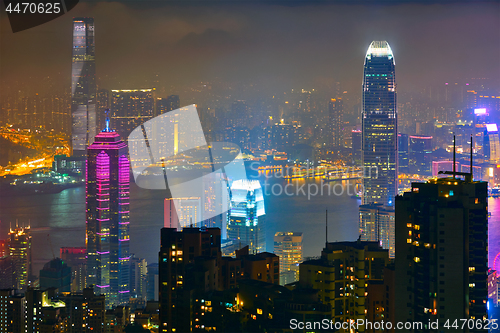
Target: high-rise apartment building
{"type": "Point", "coordinates": [107, 206]}
{"type": "Point", "coordinates": [376, 224]}
{"type": "Point", "coordinates": [138, 275]}
{"type": "Point", "coordinates": [379, 125]}
{"type": "Point", "coordinates": [131, 108]}
{"type": "Point", "coordinates": [178, 250]}
{"type": "Point", "coordinates": [441, 252]}
{"type": "Point", "coordinates": [342, 275]}
{"type": "Point", "coordinates": [420, 154]}
{"type": "Point", "coordinates": [20, 254]}
{"type": "Point", "coordinates": [288, 247]}
{"type": "Point", "coordinates": [246, 218]}
{"type": "Point", "coordinates": [83, 85]}
{"type": "Point", "coordinates": [335, 117]}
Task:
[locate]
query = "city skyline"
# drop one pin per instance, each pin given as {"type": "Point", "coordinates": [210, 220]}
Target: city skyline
{"type": "Point", "coordinates": [175, 175]}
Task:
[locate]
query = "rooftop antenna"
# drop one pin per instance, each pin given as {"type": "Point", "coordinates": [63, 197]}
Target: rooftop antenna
{"type": "Point", "coordinates": [106, 129]}
{"type": "Point", "coordinates": [454, 159]}
{"type": "Point", "coordinates": [471, 170]}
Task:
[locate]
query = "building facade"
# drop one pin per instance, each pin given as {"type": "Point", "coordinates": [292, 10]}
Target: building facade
{"type": "Point", "coordinates": [107, 206]}
{"type": "Point", "coordinates": [441, 251]}
{"type": "Point", "coordinates": [131, 108]}
{"type": "Point", "coordinates": [379, 125]}
{"type": "Point", "coordinates": [288, 247]}
{"type": "Point", "coordinates": [20, 256]}
{"type": "Point", "coordinates": [83, 86]}
{"type": "Point", "coordinates": [246, 218]}
{"type": "Point", "coordinates": [376, 224]}
{"type": "Point", "coordinates": [336, 116]}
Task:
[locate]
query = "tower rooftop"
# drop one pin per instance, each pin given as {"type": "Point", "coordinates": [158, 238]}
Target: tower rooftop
{"type": "Point", "coordinates": [379, 49]}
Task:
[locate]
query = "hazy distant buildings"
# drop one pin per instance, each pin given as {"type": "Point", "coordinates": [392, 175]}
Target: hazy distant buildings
{"type": "Point", "coordinates": [441, 251]}
{"type": "Point", "coordinates": [376, 224]}
{"type": "Point", "coordinates": [20, 254]}
{"type": "Point", "coordinates": [182, 212]}
{"type": "Point", "coordinates": [107, 206]}
{"type": "Point", "coordinates": [420, 154]}
{"type": "Point", "coordinates": [246, 218]}
{"type": "Point", "coordinates": [138, 275]}
{"type": "Point", "coordinates": [83, 85]}
{"type": "Point", "coordinates": [379, 124]}
{"type": "Point", "coordinates": [335, 117]}
{"type": "Point", "coordinates": [131, 108]}
{"type": "Point", "coordinates": [170, 103]}
{"type": "Point", "coordinates": [403, 161]}
{"type": "Point", "coordinates": [356, 140]}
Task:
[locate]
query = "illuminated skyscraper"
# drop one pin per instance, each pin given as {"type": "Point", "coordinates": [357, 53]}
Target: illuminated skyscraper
{"type": "Point", "coordinates": [420, 154]}
{"type": "Point", "coordinates": [108, 217]}
{"type": "Point", "coordinates": [246, 218]}
{"type": "Point", "coordinates": [288, 247]}
{"type": "Point", "coordinates": [491, 145]}
{"type": "Point", "coordinates": [20, 253]}
{"type": "Point", "coordinates": [83, 85]}
{"type": "Point", "coordinates": [379, 117]}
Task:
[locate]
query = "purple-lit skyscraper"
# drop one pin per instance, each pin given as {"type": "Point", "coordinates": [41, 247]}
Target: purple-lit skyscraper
{"type": "Point", "coordinates": [108, 217]}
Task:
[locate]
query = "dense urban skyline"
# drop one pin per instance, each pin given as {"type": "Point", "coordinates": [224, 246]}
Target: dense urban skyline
{"type": "Point", "coordinates": [160, 166]}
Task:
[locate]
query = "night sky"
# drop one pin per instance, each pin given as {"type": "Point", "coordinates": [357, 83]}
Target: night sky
{"type": "Point", "coordinates": [297, 45]}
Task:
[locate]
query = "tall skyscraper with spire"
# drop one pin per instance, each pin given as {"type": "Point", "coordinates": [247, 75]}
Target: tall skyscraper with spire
{"type": "Point", "coordinates": [379, 125]}
{"type": "Point", "coordinates": [83, 86]}
{"type": "Point", "coordinates": [107, 204]}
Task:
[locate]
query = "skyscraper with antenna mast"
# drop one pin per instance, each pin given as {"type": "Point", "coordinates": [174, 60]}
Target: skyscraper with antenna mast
{"type": "Point", "coordinates": [107, 207]}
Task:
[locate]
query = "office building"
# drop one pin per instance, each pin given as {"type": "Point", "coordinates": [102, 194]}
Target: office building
{"type": "Point", "coordinates": [336, 122]}
{"type": "Point", "coordinates": [12, 311]}
{"type": "Point", "coordinates": [342, 275]}
{"type": "Point", "coordinates": [170, 103]}
{"type": "Point", "coordinates": [138, 276]}
{"type": "Point", "coordinates": [441, 251]}
{"type": "Point", "coordinates": [379, 125]}
{"type": "Point", "coordinates": [178, 250]}
{"type": "Point", "coordinates": [131, 108]}
{"type": "Point", "coordinates": [76, 259]}
{"type": "Point", "coordinates": [491, 144]}
{"type": "Point", "coordinates": [182, 212]}
{"type": "Point", "coordinates": [403, 161]}
{"type": "Point", "coordinates": [107, 207]}
{"type": "Point", "coordinates": [438, 166]}
{"type": "Point", "coordinates": [152, 282]}
{"type": "Point", "coordinates": [356, 140]}
{"type": "Point", "coordinates": [288, 247]}
{"type": "Point", "coordinates": [83, 86]}
{"type": "Point", "coordinates": [20, 254]}
{"type": "Point", "coordinates": [420, 155]}
{"type": "Point", "coordinates": [56, 274]}
{"type": "Point", "coordinates": [376, 224]}
{"type": "Point", "coordinates": [246, 218]}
